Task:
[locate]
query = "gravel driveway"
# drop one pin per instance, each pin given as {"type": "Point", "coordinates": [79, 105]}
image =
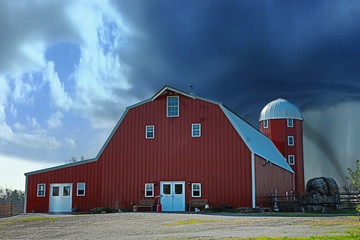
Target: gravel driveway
{"type": "Point", "coordinates": [168, 225]}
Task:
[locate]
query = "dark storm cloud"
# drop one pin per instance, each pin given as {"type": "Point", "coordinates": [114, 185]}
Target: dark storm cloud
{"type": "Point", "coordinates": [247, 51]}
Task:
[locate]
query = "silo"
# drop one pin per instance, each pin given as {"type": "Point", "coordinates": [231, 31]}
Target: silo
{"type": "Point", "coordinates": [281, 121]}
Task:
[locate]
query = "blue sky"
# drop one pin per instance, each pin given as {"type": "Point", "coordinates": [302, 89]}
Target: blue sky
{"type": "Point", "coordinates": [68, 70]}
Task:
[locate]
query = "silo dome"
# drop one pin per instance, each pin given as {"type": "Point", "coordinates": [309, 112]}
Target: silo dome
{"type": "Point", "coordinates": [280, 109]}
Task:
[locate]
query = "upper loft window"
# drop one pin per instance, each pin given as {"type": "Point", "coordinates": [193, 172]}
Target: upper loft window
{"type": "Point", "coordinates": [290, 122]}
{"type": "Point", "coordinates": [196, 130]}
{"type": "Point", "coordinates": [266, 123]}
{"type": "Point", "coordinates": [150, 132]}
{"type": "Point", "coordinates": [290, 140]}
{"type": "Point", "coordinates": [172, 106]}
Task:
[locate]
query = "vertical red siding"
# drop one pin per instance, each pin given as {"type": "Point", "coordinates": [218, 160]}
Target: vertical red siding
{"type": "Point", "coordinates": [278, 132]}
{"type": "Point", "coordinates": [269, 177]}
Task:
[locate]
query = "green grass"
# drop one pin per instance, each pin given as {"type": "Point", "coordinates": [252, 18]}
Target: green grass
{"type": "Point", "coordinates": [4, 223]}
{"type": "Point", "coordinates": [43, 218]}
{"type": "Point", "coordinates": [30, 219]}
{"type": "Point", "coordinates": [345, 221]}
{"type": "Point", "coordinates": [37, 219]}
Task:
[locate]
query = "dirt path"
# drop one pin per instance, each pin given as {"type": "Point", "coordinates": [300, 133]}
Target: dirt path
{"type": "Point", "coordinates": [169, 225]}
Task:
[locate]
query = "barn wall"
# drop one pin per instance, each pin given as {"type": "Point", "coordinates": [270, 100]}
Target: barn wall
{"type": "Point", "coordinates": [278, 133]}
{"type": "Point", "coordinates": [269, 177]}
{"type": "Point", "coordinates": [90, 173]}
{"type": "Point", "coordinates": [219, 159]}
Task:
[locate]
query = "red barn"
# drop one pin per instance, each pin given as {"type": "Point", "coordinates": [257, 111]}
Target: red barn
{"type": "Point", "coordinates": [174, 144]}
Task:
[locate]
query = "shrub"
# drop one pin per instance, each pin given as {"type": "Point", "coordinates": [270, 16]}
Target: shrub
{"type": "Point", "coordinates": [101, 210]}
{"type": "Point", "coordinates": [355, 181]}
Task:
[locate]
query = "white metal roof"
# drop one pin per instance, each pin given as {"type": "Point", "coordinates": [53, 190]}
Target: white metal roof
{"type": "Point", "coordinates": [279, 109]}
{"type": "Point", "coordinates": [256, 141]}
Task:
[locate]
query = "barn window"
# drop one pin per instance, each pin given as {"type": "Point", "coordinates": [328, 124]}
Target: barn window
{"type": "Point", "coordinates": [41, 190]}
{"type": "Point", "coordinates": [149, 189]}
{"type": "Point", "coordinates": [291, 159]}
{"type": "Point", "coordinates": [196, 190]}
{"type": "Point", "coordinates": [266, 123]}
{"type": "Point", "coordinates": [173, 106]}
{"type": "Point", "coordinates": [80, 189]}
{"type": "Point", "coordinates": [150, 132]}
{"type": "Point", "coordinates": [290, 140]}
{"type": "Point", "coordinates": [196, 130]}
{"type": "Point", "coordinates": [290, 122]}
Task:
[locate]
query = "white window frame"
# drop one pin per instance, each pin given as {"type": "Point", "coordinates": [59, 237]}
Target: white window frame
{"type": "Point", "coordinates": [80, 188]}
{"type": "Point", "coordinates": [293, 141]}
{"type": "Point", "coordinates": [38, 188]}
{"type": "Point", "coordinates": [148, 131]}
{"type": "Point", "coordinates": [193, 131]}
{"type": "Point", "coordinates": [266, 123]}
{"type": "Point", "coordinates": [167, 106]}
{"type": "Point", "coordinates": [293, 160]}
{"type": "Point", "coordinates": [151, 185]}
{"type": "Point", "coordinates": [290, 122]}
{"type": "Point", "coordinates": [192, 189]}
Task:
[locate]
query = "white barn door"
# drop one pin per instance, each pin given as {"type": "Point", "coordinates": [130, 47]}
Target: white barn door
{"type": "Point", "coordinates": [60, 197]}
{"type": "Point", "coordinates": [173, 196]}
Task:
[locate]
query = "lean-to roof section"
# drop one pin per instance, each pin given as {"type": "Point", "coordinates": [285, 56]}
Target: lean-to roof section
{"type": "Point", "coordinates": [257, 142]}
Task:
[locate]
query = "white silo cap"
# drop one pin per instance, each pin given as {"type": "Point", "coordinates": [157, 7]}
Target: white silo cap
{"type": "Point", "coordinates": [280, 109]}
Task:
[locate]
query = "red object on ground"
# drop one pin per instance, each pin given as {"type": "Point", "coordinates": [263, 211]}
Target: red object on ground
{"type": "Point", "coordinates": [158, 207]}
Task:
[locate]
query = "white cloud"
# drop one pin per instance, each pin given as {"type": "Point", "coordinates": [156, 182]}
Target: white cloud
{"type": "Point", "coordinates": [13, 168]}
{"type": "Point", "coordinates": [55, 120]}
{"type": "Point", "coordinates": [33, 122]}
{"type": "Point", "coordinates": [98, 81]}
{"type": "Point", "coordinates": [4, 92]}
{"type": "Point", "coordinates": [13, 110]}
{"type": "Point", "coordinates": [27, 28]}
{"type": "Point", "coordinates": [100, 75]}
{"type": "Point", "coordinates": [35, 141]}
{"type": "Point", "coordinates": [18, 126]}
{"type": "Point", "coordinates": [22, 90]}
{"type": "Point", "coordinates": [59, 97]}
{"type": "Point", "coordinates": [6, 133]}
{"type": "Point", "coordinates": [70, 142]}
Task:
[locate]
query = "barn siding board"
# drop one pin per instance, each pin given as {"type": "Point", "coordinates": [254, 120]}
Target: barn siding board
{"type": "Point", "coordinates": [269, 177]}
